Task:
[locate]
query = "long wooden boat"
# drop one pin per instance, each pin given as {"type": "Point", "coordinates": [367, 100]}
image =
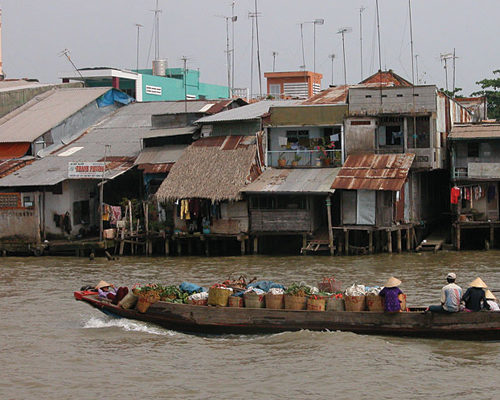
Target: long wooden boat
{"type": "Point", "coordinates": [484, 325]}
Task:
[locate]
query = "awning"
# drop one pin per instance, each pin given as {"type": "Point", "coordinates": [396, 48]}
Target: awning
{"type": "Point", "coordinates": [167, 132]}
{"type": "Point", "coordinates": [13, 150]}
{"type": "Point", "coordinates": [294, 181]}
{"type": "Point", "coordinates": [374, 172]}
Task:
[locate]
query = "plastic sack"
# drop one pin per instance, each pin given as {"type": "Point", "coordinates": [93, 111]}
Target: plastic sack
{"type": "Point", "coordinates": [265, 285]}
{"type": "Point", "coordinates": [199, 296]}
{"type": "Point", "coordinates": [373, 290]}
{"type": "Point", "coordinates": [276, 291]}
{"type": "Point", "coordinates": [255, 290]}
{"type": "Point", "coordinates": [356, 290]}
{"type": "Point", "coordinates": [190, 288]}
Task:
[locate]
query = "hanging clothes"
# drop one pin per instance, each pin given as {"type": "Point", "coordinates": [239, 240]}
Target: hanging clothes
{"type": "Point", "coordinates": [185, 210]}
{"type": "Point", "coordinates": [454, 195]}
{"type": "Point", "coordinates": [116, 215]}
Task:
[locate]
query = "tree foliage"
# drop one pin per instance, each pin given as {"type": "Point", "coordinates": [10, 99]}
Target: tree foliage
{"type": "Point", "coordinates": [491, 89]}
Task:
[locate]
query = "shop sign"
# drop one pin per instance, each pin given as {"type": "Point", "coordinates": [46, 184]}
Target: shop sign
{"type": "Point", "coordinates": [89, 170]}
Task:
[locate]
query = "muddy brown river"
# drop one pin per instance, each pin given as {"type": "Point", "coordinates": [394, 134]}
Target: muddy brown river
{"type": "Point", "coordinates": [55, 347]}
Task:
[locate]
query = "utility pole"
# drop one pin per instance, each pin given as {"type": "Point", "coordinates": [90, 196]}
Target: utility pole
{"type": "Point", "coordinates": [318, 21]}
{"type": "Point", "coordinates": [234, 18]}
{"type": "Point", "coordinates": [139, 26]}
{"type": "Point", "coordinates": [228, 60]}
{"type": "Point", "coordinates": [258, 48]}
{"type": "Point", "coordinates": [416, 68]}
{"type": "Point", "coordinates": [362, 8]}
{"type": "Point", "coordinates": [255, 35]}
{"type": "Point", "coordinates": [332, 57]}
{"type": "Point", "coordinates": [275, 53]}
{"type": "Point", "coordinates": [343, 31]}
{"type": "Point", "coordinates": [157, 12]}
{"type": "Point", "coordinates": [454, 64]}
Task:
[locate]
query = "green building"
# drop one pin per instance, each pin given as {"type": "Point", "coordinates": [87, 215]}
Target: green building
{"type": "Point", "coordinates": [168, 84]}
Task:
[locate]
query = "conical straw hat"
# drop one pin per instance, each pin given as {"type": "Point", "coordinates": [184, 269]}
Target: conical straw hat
{"type": "Point", "coordinates": [102, 284]}
{"type": "Point", "coordinates": [479, 283]}
{"type": "Point", "coordinates": [392, 282]}
{"type": "Point", "coordinates": [489, 295]}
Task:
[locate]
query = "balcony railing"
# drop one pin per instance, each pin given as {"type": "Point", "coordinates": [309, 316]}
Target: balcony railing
{"type": "Point", "coordinates": [304, 158]}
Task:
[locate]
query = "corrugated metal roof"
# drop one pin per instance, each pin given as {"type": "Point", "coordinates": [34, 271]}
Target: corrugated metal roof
{"type": "Point", "coordinates": [8, 85]}
{"type": "Point", "coordinates": [479, 131]}
{"type": "Point", "coordinates": [374, 172]}
{"type": "Point", "coordinates": [155, 168]}
{"type": "Point", "coordinates": [189, 106]}
{"type": "Point", "coordinates": [160, 132]}
{"type": "Point", "coordinates": [45, 112]}
{"type": "Point", "coordinates": [294, 180]}
{"type": "Point", "coordinates": [251, 111]}
{"type": "Point", "coordinates": [159, 155]}
{"type": "Point", "coordinates": [118, 130]}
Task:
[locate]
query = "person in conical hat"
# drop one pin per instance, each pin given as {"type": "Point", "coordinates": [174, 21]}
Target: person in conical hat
{"type": "Point", "coordinates": [491, 300]}
{"type": "Point", "coordinates": [478, 283]}
{"type": "Point", "coordinates": [103, 284]}
{"type": "Point", "coordinates": [475, 298]}
{"type": "Point", "coordinates": [450, 296]}
{"type": "Point", "coordinates": [391, 293]}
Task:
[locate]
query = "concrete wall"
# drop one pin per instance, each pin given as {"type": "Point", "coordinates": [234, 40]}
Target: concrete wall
{"type": "Point", "coordinates": [12, 99]}
{"type": "Point", "coordinates": [72, 191]}
{"type": "Point", "coordinates": [19, 223]}
{"type": "Point", "coordinates": [359, 135]}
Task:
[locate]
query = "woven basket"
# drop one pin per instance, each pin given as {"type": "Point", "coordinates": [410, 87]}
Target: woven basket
{"type": "Point", "coordinates": [145, 301]}
{"type": "Point", "coordinates": [218, 297]}
{"type": "Point", "coordinates": [295, 302]}
{"type": "Point", "coordinates": [355, 303]}
{"type": "Point", "coordinates": [235, 301]}
{"type": "Point", "coordinates": [402, 301]}
{"type": "Point", "coordinates": [129, 301]}
{"type": "Point", "coordinates": [316, 304]}
{"type": "Point", "coordinates": [334, 304]}
{"type": "Point", "coordinates": [275, 301]}
{"type": "Point", "coordinates": [375, 303]}
{"type": "Point", "coordinates": [254, 300]}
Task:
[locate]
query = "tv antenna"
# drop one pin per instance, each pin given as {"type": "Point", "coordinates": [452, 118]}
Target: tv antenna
{"type": "Point", "coordinates": [66, 53]}
{"type": "Point", "coordinates": [229, 52]}
{"type": "Point", "coordinates": [157, 13]}
{"type": "Point", "coordinates": [444, 59]}
{"type": "Point", "coordinates": [342, 31]}
{"type": "Point", "coordinates": [255, 35]}
{"type": "Point", "coordinates": [139, 26]}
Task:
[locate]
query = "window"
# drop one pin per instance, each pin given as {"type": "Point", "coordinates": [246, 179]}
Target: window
{"type": "Point", "coordinates": [391, 131]}
{"type": "Point", "coordinates": [278, 202]}
{"type": "Point", "coordinates": [297, 138]}
{"type": "Point", "coordinates": [275, 90]}
{"type": "Point", "coordinates": [81, 212]}
{"type": "Point", "coordinates": [420, 138]}
{"type": "Point", "coordinates": [472, 149]}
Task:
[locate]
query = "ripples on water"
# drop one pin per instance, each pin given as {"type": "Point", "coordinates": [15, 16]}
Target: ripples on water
{"type": "Point", "coordinates": [52, 345]}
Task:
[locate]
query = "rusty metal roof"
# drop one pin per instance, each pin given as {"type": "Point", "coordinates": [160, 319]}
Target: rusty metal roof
{"type": "Point", "coordinates": [294, 181]}
{"type": "Point", "coordinates": [374, 172]}
{"type": "Point", "coordinates": [475, 131]}
{"type": "Point", "coordinates": [155, 168]}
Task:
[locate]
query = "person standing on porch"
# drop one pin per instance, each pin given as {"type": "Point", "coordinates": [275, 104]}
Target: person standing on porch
{"type": "Point", "coordinates": [450, 296]}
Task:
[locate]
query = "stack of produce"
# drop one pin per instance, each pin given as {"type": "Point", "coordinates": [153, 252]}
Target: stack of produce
{"type": "Point", "coordinates": [355, 298]}
{"type": "Point", "coordinates": [254, 298]}
{"type": "Point", "coordinates": [218, 295]}
{"type": "Point", "coordinates": [296, 296]}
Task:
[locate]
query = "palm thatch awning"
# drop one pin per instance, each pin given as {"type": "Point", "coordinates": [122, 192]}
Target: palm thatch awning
{"type": "Point", "coordinates": [214, 168]}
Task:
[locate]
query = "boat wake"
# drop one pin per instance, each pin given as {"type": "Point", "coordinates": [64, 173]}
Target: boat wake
{"type": "Point", "coordinates": [126, 325]}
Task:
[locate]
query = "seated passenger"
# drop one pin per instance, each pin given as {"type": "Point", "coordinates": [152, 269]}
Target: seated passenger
{"type": "Point", "coordinates": [450, 296]}
{"type": "Point", "coordinates": [391, 293]}
{"type": "Point", "coordinates": [108, 291]}
{"type": "Point", "coordinates": [492, 301]}
{"type": "Point", "coordinates": [474, 298]}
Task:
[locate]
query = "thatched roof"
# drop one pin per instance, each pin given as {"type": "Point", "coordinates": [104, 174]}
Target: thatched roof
{"type": "Point", "coordinates": [214, 168]}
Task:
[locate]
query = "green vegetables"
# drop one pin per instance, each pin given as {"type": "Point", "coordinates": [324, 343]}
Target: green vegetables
{"type": "Point", "coordinates": [297, 289]}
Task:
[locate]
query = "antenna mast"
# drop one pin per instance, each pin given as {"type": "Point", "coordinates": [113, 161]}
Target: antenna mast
{"type": "Point", "coordinates": [275, 53]}
{"type": "Point", "coordinates": [362, 8]}
{"type": "Point", "coordinates": [343, 31]}
{"type": "Point", "coordinates": [65, 52]}
{"type": "Point", "coordinates": [258, 47]}
{"type": "Point", "coordinates": [332, 57]}
{"type": "Point", "coordinates": [157, 12]}
{"type": "Point", "coordinates": [234, 18]}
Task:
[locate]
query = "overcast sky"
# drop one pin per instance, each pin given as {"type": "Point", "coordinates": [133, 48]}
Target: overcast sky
{"type": "Point", "coordinates": [103, 33]}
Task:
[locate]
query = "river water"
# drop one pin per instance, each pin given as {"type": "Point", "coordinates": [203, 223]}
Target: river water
{"type": "Point", "coordinates": [52, 345]}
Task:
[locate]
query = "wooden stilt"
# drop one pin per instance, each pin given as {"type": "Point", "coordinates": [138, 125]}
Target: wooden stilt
{"type": "Point", "coordinates": [389, 241]}
{"type": "Point", "coordinates": [190, 246]}
{"type": "Point", "coordinates": [346, 242]}
{"type": "Point", "coordinates": [458, 239]}
{"type": "Point", "coordinates": [256, 245]}
{"type": "Point", "coordinates": [330, 229]}
{"type": "Point", "coordinates": [179, 248]}
{"type": "Point", "coordinates": [242, 246]}
{"type": "Point", "coordinates": [370, 242]}
{"type": "Point", "coordinates": [408, 239]}
{"type": "Point", "coordinates": [398, 238]}
{"type": "Point", "coordinates": [167, 246]}
{"type": "Point", "coordinates": [492, 236]}
{"type": "Point", "coordinates": [207, 247]}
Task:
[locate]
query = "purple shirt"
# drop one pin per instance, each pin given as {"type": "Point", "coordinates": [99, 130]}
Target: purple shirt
{"type": "Point", "coordinates": [391, 301]}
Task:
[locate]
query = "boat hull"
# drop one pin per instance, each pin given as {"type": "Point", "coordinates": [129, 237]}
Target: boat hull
{"type": "Point", "coordinates": [226, 320]}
